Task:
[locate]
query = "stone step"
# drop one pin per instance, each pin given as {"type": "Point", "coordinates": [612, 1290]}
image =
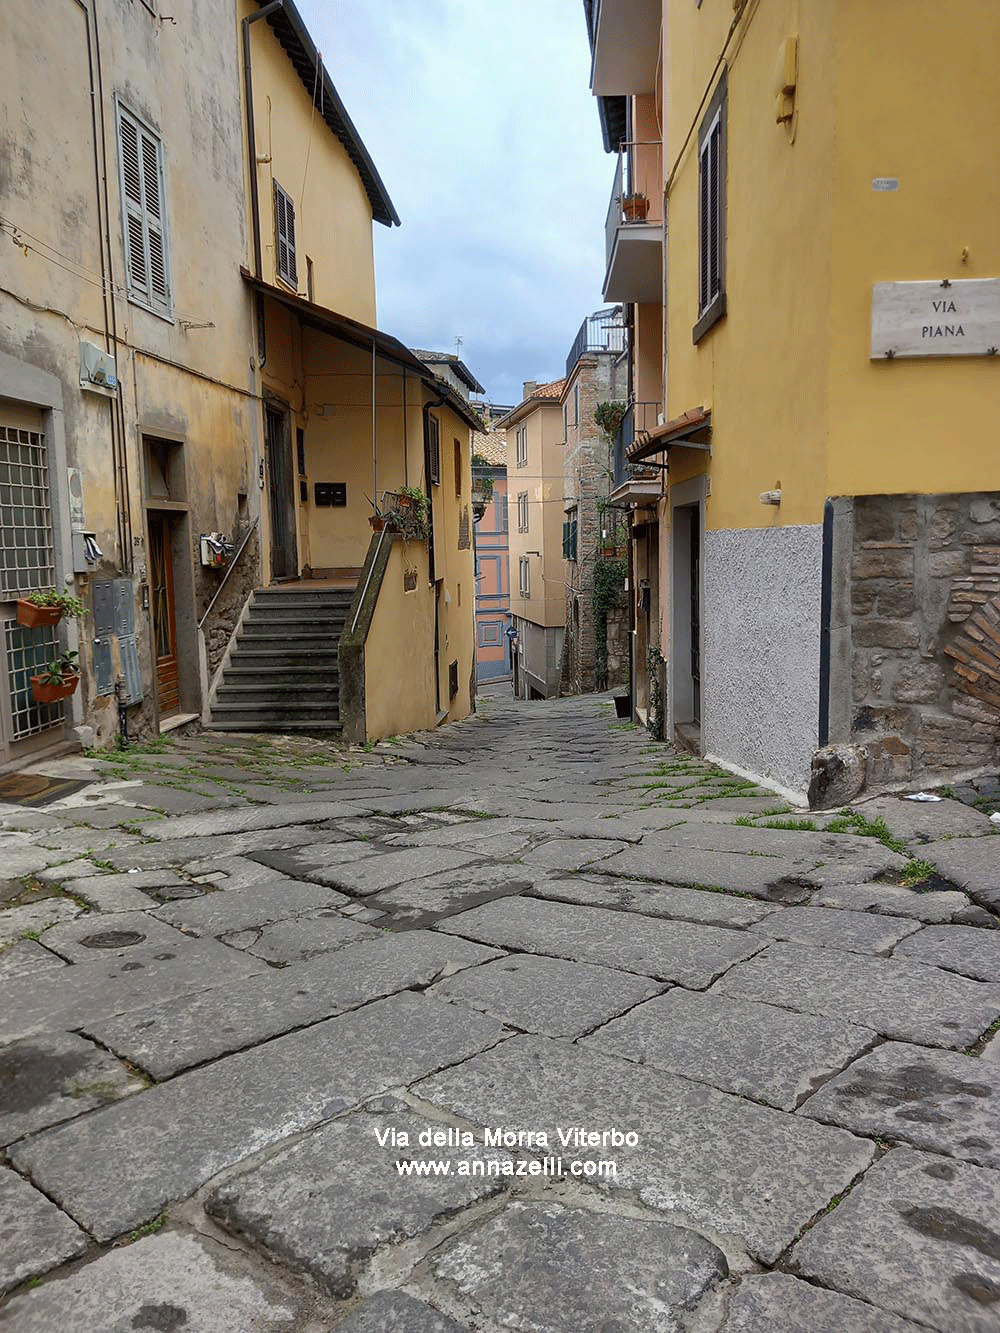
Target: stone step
{"type": "Point", "coordinates": [275, 717]}
{"type": "Point", "coordinates": [301, 639]}
{"type": "Point", "coordinates": [276, 597]}
{"type": "Point", "coordinates": [275, 666]}
{"type": "Point", "coordinates": [277, 694]}
{"type": "Point", "coordinates": [319, 610]}
{"type": "Point", "coordinates": [261, 722]}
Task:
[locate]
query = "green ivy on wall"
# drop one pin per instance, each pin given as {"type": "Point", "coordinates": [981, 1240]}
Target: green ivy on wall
{"type": "Point", "coordinates": [609, 585]}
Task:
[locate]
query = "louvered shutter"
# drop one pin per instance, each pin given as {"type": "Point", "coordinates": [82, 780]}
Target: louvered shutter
{"type": "Point", "coordinates": [284, 226]}
{"type": "Point", "coordinates": [713, 211]}
{"type": "Point", "coordinates": [135, 233]}
{"type": "Point", "coordinates": [147, 272]}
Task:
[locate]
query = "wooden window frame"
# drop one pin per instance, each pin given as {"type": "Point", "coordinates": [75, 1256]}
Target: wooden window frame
{"type": "Point", "coordinates": [712, 154]}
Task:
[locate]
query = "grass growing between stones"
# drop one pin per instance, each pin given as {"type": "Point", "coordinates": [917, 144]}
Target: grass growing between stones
{"type": "Point", "coordinates": [916, 872]}
{"type": "Point", "coordinates": [850, 821]}
{"type": "Point", "coordinates": [149, 1228]}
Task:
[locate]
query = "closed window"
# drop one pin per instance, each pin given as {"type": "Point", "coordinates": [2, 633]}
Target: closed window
{"type": "Point", "coordinates": [522, 512]}
{"type": "Point", "coordinates": [576, 404]}
{"type": "Point", "coordinates": [521, 439]}
{"type": "Point", "coordinates": [712, 213]}
{"type": "Point", "coordinates": [147, 269]}
{"type": "Point", "coordinates": [284, 236]}
{"type": "Point", "coordinates": [524, 577]}
{"type": "Point", "coordinates": [458, 467]}
{"type": "Point", "coordinates": [504, 516]}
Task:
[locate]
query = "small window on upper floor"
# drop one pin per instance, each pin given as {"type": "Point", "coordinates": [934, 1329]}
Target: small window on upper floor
{"type": "Point", "coordinates": [458, 467]}
{"type": "Point", "coordinates": [565, 422]}
{"type": "Point", "coordinates": [522, 445]}
{"type": "Point", "coordinates": [576, 404]}
{"type": "Point", "coordinates": [284, 237]}
{"type": "Point", "coordinates": [712, 213]}
{"type": "Point", "coordinates": [504, 516]}
{"type": "Point", "coordinates": [147, 267]}
{"type": "Point", "coordinates": [524, 577]}
{"type": "Point", "coordinates": [522, 512]}
{"type": "Point", "coordinates": [432, 450]}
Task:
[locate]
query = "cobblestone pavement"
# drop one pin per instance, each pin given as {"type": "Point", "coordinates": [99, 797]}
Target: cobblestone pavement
{"type": "Point", "coordinates": [741, 1061]}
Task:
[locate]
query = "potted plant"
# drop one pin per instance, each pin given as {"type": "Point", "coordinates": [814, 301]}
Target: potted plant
{"type": "Point", "coordinates": [635, 206]}
{"type": "Point", "coordinates": [609, 416]}
{"type": "Point", "coordinates": [47, 608]}
{"type": "Point", "coordinates": [59, 679]}
{"type": "Point", "coordinates": [377, 520]}
{"type": "Point", "coordinates": [409, 513]}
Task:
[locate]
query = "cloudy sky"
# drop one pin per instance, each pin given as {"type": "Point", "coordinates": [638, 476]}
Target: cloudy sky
{"type": "Point", "coordinates": [481, 123]}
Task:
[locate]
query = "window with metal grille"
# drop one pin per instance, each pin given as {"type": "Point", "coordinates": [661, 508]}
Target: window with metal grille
{"type": "Point", "coordinates": [27, 559]}
{"type": "Point", "coordinates": [522, 512]}
{"type": "Point", "coordinates": [284, 236]}
{"type": "Point", "coordinates": [147, 266]}
{"type": "Point", "coordinates": [432, 449]}
{"type": "Point", "coordinates": [524, 576]}
{"type": "Point", "coordinates": [712, 213]}
{"type": "Point", "coordinates": [28, 653]}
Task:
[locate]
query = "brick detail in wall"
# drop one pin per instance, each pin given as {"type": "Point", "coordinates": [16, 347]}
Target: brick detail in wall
{"type": "Point", "coordinates": [925, 631]}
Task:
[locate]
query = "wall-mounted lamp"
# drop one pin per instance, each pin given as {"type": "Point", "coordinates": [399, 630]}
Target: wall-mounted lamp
{"type": "Point", "coordinates": [770, 497]}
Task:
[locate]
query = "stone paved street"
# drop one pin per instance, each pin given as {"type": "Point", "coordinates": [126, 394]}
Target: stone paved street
{"type": "Point", "coordinates": [251, 988]}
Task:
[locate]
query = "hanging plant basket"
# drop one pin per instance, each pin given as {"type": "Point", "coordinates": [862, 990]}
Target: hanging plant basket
{"type": "Point", "coordinates": [34, 616]}
{"type": "Point", "coordinates": [47, 692]}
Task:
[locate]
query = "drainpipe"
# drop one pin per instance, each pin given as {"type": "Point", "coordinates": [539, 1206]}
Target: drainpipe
{"type": "Point", "coordinates": [825, 617]}
{"type": "Point", "coordinates": [252, 154]}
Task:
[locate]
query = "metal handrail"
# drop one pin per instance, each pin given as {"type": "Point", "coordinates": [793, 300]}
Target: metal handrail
{"type": "Point", "coordinates": [232, 566]}
{"type": "Point", "coordinates": [371, 571]}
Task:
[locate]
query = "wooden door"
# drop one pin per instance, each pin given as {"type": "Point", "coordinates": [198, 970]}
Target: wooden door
{"type": "Point", "coordinates": [161, 589]}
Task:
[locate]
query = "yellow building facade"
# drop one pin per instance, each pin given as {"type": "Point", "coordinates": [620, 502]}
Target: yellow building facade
{"type": "Point", "coordinates": [825, 526]}
{"type": "Point", "coordinates": [535, 447]}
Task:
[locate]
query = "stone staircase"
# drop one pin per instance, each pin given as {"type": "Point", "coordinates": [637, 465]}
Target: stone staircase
{"type": "Point", "coordinates": [283, 672]}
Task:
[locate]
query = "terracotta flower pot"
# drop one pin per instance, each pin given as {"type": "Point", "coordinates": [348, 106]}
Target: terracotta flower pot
{"type": "Point", "coordinates": [33, 616]}
{"type": "Point", "coordinates": [45, 692]}
{"type": "Point", "coordinates": [636, 207]}
{"type": "Point", "coordinates": [377, 521]}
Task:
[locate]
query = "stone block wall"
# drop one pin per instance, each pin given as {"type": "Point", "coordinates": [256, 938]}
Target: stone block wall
{"type": "Point", "coordinates": [925, 635]}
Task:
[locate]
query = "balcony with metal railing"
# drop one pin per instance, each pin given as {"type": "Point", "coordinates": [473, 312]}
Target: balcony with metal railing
{"type": "Point", "coordinates": [633, 481]}
{"type": "Point", "coordinates": [603, 331]}
{"type": "Point", "coordinates": [633, 228]}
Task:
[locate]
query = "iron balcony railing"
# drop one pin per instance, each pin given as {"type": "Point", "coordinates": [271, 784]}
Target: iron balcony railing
{"type": "Point", "coordinates": [639, 418]}
{"type": "Point", "coordinates": [602, 331]}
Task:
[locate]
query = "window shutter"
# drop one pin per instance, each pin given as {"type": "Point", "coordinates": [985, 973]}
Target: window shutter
{"type": "Point", "coordinates": [284, 226]}
{"type": "Point", "coordinates": [714, 140]}
{"type": "Point", "coordinates": [135, 248]}
{"type": "Point", "coordinates": [153, 199]}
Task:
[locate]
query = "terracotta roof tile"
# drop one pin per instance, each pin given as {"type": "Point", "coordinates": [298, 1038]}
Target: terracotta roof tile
{"type": "Point", "coordinates": [492, 446]}
{"type": "Point", "coordinates": [553, 390]}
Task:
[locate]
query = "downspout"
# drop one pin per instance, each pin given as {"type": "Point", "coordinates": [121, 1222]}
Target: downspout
{"type": "Point", "coordinates": [258, 264]}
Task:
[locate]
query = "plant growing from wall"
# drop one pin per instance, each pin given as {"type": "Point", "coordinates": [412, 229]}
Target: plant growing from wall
{"type": "Point", "coordinates": [609, 416]}
{"type": "Point", "coordinates": [609, 584]}
{"type": "Point", "coordinates": [408, 512]}
{"type": "Point", "coordinates": [655, 718]}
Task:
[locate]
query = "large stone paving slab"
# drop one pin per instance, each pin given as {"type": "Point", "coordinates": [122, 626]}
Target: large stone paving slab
{"type": "Point", "coordinates": [920, 822]}
{"type": "Point", "coordinates": [173, 852]}
{"type": "Point", "coordinates": [165, 1038]}
{"type": "Point", "coordinates": [965, 949]}
{"type": "Point", "coordinates": [972, 864]}
{"type": "Point", "coordinates": [248, 909]}
{"type": "Point", "coordinates": [780, 1303]}
{"type": "Point", "coordinates": [580, 1272]}
{"type": "Point", "coordinates": [937, 1100]}
{"type": "Point", "coordinates": [572, 853]}
{"type": "Point", "coordinates": [919, 1237]}
{"type": "Point", "coordinates": [857, 932]}
{"type": "Point", "coordinates": [92, 934]}
{"type": "Point", "coordinates": [302, 937]}
{"type": "Point", "coordinates": [244, 821]}
{"type": "Point", "coordinates": [755, 1050]}
{"type": "Point", "coordinates": [330, 1202]}
{"type": "Point", "coordinates": [376, 873]}
{"type": "Point", "coordinates": [124, 893]}
{"type": "Point", "coordinates": [773, 877]}
{"type": "Point", "coordinates": [453, 891]}
{"type": "Point", "coordinates": [547, 995]}
{"type": "Point", "coordinates": [36, 1235]}
{"type": "Point", "coordinates": [893, 900]}
{"type": "Point", "coordinates": [53, 1077]}
{"type": "Point", "coordinates": [743, 1170]}
{"type": "Point", "coordinates": [116, 1168]}
{"type": "Point", "coordinates": [711, 909]}
{"type": "Point", "coordinates": [171, 1282]}
{"type": "Point", "coordinates": [894, 997]}
{"type": "Point", "coordinates": [396, 1312]}
{"type": "Point", "coordinates": [315, 860]}
{"type": "Point", "coordinates": [24, 957]}
{"type": "Point", "coordinates": [692, 955]}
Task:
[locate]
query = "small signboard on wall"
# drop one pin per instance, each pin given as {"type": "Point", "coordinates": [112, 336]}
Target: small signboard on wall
{"type": "Point", "coordinates": [946, 318]}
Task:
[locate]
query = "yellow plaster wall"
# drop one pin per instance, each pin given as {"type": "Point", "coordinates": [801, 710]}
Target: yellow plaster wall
{"type": "Point", "coordinates": [399, 649]}
{"type": "Point", "coordinates": [916, 100]}
{"type": "Point", "coordinates": [454, 567]}
{"type": "Point", "coordinates": [762, 369]}
{"type": "Point", "coordinates": [542, 478]}
{"type": "Point", "coordinates": [333, 216]}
